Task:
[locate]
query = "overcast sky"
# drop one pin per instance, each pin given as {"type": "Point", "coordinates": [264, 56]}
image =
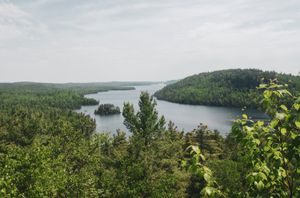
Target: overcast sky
{"type": "Point", "coordinates": [105, 40]}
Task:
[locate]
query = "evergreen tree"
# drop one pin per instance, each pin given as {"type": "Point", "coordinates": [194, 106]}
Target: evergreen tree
{"type": "Point", "coordinates": [145, 125]}
{"type": "Point", "coordinates": [151, 168]}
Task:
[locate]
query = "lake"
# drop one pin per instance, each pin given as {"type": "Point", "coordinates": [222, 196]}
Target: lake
{"type": "Point", "coordinates": [185, 117]}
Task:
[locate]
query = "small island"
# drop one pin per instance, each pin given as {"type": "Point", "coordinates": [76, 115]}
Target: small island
{"type": "Point", "coordinates": [107, 109]}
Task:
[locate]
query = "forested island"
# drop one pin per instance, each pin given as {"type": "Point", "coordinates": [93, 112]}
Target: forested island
{"type": "Point", "coordinates": [107, 109]}
{"type": "Point", "coordinates": [232, 88]}
{"type": "Point", "coordinates": [48, 150]}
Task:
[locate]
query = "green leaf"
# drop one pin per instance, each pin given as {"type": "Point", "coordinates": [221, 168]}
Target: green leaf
{"type": "Point", "coordinates": [294, 135]}
{"type": "Point", "coordinates": [202, 157]}
{"type": "Point", "coordinates": [297, 123]}
{"type": "Point", "coordinates": [195, 149]}
{"type": "Point", "coordinates": [207, 177]}
{"type": "Point", "coordinates": [274, 123]}
{"type": "Point", "coordinates": [262, 86]}
{"type": "Point", "coordinates": [257, 141]}
{"type": "Point", "coordinates": [283, 131]}
{"type": "Point", "coordinates": [280, 116]}
{"type": "Point", "coordinates": [284, 107]}
{"type": "Point", "coordinates": [245, 116]}
{"type": "Point", "coordinates": [297, 106]}
{"type": "Point", "coordinates": [262, 176]}
{"type": "Point", "coordinates": [284, 91]}
{"type": "Point", "coordinates": [260, 123]}
{"type": "Point", "coordinates": [267, 148]}
{"type": "Point", "coordinates": [259, 185]}
{"type": "Point", "coordinates": [277, 93]}
{"type": "Point", "coordinates": [183, 163]}
{"type": "Point", "coordinates": [267, 94]}
{"type": "Point", "coordinates": [207, 191]}
{"type": "Point", "coordinates": [283, 173]}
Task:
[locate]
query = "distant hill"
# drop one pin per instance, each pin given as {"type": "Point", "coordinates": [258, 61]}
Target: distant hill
{"type": "Point", "coordinates": [82, 88]}
{"type": "Point", "coordinates": [232, 87]}
{"type": "Point", "coordinates": [171, 82]}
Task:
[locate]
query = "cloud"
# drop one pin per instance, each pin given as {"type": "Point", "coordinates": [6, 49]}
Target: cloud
{"type": "Point", "coordinates": [16, 23]}
{"type": "Point", "coordinates": [75, 40]}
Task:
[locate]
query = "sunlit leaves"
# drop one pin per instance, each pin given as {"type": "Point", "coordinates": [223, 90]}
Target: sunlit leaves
{"type": "Point", "coordinates": [245, 116]}
{"type": "Point", "coordinates": [273, 147]}
{"type": "Point", "coordinates": [284, 107]}
{"type": "Point", "coordinates": [297, 123]}
{"type": "Point", "coordinates": [296, 106]}
{"type": "Point", "coordinates": [267, 93]}
{"type": "Point", "coordinates": [280, 116]}
{"type": "Point", "coordinates": [196, 166]}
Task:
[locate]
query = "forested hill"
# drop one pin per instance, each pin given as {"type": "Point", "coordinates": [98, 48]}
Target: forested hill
{"type": "Point", "coordinates": [232, 87]}
{"type": "Point", "coordinates": [66, 96]}
{"type": "Point", "coordinates": [81, 88]}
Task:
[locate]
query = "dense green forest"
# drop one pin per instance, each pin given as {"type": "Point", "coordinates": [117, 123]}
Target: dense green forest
{"type": "Point", "coordinates": [232, 87]}
{"type": "Point", "coordinates": [48, 150]}
{"type": "Point", "coordinates": [80, 88]}
{"type": "Point", "coordinates": [107, 109]}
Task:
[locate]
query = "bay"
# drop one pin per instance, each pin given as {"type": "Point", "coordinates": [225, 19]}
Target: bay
{"type": "Point", "coordinates": [185, 117]}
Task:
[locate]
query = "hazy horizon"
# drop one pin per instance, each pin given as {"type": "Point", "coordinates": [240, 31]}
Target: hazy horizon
{"type": "Point", "coordinates": [60, 41]}
{"type": "Point", "coordinates": [121, 81]}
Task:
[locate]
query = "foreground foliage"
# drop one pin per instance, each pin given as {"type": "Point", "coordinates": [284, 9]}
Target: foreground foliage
{"type": "Point", "coordinates": [272, 148]}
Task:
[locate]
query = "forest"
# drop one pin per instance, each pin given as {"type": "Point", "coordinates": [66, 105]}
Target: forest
{"type": "Point", "coordinates": [48, 150]}
{"type": "Point", "coordinates": [107, 109]}
{"type": "Point", "coordinates": [232, 87]}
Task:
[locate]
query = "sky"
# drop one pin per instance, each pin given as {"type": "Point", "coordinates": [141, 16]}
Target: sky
{"type": "Point", "coordinates": [144, 40]}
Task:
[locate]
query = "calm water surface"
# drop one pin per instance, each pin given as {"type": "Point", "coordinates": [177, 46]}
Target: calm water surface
{"type": "Point", "coordinates": [185, 117]}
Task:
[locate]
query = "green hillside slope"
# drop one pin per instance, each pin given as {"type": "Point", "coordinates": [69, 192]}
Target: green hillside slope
{"type": "Point", "coordinates": [233, 87]}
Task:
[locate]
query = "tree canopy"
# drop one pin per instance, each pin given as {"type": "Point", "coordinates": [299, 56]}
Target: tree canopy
{"type": "Point", "coordinates": [107, 109]}
{"type": "Point", "coordinates": [48, 150]}
{"type": "Point", "coordinates": [232, 87]}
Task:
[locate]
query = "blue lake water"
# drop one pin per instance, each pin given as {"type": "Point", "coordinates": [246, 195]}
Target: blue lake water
{"type": "Point", "coordinates": [185, 117]}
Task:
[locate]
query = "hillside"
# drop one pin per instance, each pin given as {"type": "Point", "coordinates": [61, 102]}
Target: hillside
{"type": "Point", "coordinates": [232, 87]}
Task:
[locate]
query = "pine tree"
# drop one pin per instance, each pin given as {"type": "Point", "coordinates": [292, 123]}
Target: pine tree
{"type": "Point", "coordinates": [145, 125]}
